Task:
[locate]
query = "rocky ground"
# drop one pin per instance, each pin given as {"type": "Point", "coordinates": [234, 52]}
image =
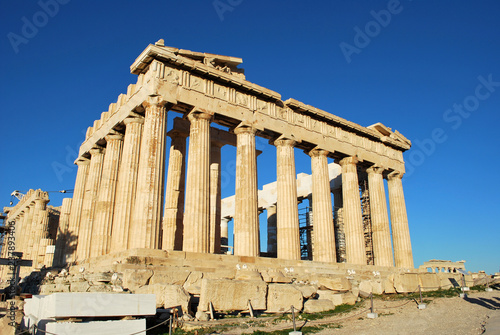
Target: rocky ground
{"type": "Point", "coordinates": [442, 316]}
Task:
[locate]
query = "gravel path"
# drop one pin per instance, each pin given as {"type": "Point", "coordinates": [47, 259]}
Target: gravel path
{"type": "Point", "coordinates": [442, 316]}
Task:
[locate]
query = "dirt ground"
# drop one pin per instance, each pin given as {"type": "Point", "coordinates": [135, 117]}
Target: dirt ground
{"type": "Point", "coordinates": [442, 316]}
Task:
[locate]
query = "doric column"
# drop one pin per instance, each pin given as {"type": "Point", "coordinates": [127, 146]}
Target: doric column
{"type": "Point", "coordinates": [353, 222]}
{"type": "Point", "coordinates": [37, 228]}
{"type": "Point", "coordinates": [381, 235]}
{"type": "Point", "coordinates": [174, 197]}
{"type": "Point", "coordinates": [339, 225]}
{"type": "Point", "coordinates": [62, 240]}
{"type": "Point", "coordinates": [215, 196]}
{"type": "Point", "coordinates": [20, 230]}
{"type": "Point", "coordinates": [196, 213]}
{"type": "Point", "coordinates": [272, 239]}
{"type": "Point", "coordinates": [105, 205]}
{"type": "Point", "coordinates": [224, 235]}
{"type": "Point", "coordinates": [127, 184]}
{"type": "Point", "coordinates": [324, 233]}
{"type": "Point", "coordinates": [44, 240]}
{"type": "Point", "coordinates": [85, 231]}
{"type": "Point", "coordinates": [29, 232]}
{"type": "Point", "coordinates": [399, 222]}
{"type": "Point", "coordinates": [76, 210]}
{"type": "Point", "coordinates": [287, 211]}
{"type": "Point", "coordinates": [145, 226]}
{"type": "Point", "coordinates": [246, 217]}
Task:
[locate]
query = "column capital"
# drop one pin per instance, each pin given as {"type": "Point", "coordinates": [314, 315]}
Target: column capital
{"type": "Point", "coordinates": [348, 160]}
{"type": "Point", "coordinates": [111, 137]}
{"type": "Point", "coordinates": [96, 150]}
{"type": "Point", "coordinates": [129, 120]}
{"type": "Point", "coordinates": [375, 169]}
{"type": "Point", "coordinates": [245, 128]}
{"type": "Point", "coordinates": [317, 152]}
{"type": "Point", "coordinates": [82, 161]}
{"type": "Point", "coordinates": [154, 101]}
{"type": "Point", "coordinates": [395, 175]}
{"type": "Point", "coordinates": [283, 141]}
{"type": "Point", "coordinates": [174, 133]}
{"type": "Point", "coordinates": [198, 114]}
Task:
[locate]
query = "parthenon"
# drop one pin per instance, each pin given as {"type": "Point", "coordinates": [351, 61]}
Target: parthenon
{"type": "Point", "coordinates": [121, 200]}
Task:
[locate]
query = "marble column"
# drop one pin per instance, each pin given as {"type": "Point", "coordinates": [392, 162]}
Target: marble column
{"type": "Point", "coordinates": [20, 229]}
{"type": "Point", "coordinates": [271, 230]}
{"type": "Point", "coordinates": [287, 211]}
{"type": "Point", "coordinates": [381, 235]}
{"type": "Point", "coordinates": [45, 240]}
{"type": "Point", "coordinates": [353, 221]}
{"type": "Point", "coordinates": [224, 234]}
{"type": "Point", "coordinates": [76, 210]}
{"type": "Point", "coordinates": [145, 226]}
{"type": "Point", "coordinates": [403, 256]}
{"type": "Point", "coordinates": [174, 197]}
{"type": "Point", "coordinates": [324, 233]}
{"type": "Point", "coordinates": [62, 240]}
{"type": "Point", "coordinates": [85, 231]}
{"type": "Point", "coordinates": [246, 217]}
{"type": "Point", "coordinates": [197, 213]}
{"type": "Point", "coordinates": [339, 224]}
{"type": "Point", "coordinates": [127, 184]}
{"type": "Point", "coordinates": [29, 232]}
{"type": "Point", "coordinates": [36, 228]}
{"type": "Point", "coordinates": [215, 196]}
{"type": "Point", "coordinates": [101, 237]}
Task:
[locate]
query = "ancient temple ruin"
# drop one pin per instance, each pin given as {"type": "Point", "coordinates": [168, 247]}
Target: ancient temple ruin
{"type": "Point", "coordinates": [122, 202]}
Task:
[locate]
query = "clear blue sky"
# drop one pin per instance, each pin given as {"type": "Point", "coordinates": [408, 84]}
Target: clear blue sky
{"type": "Point", "coordinates": [410, 70]}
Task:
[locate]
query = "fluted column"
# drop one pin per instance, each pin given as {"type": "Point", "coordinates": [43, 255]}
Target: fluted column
{"type": "Point", "coordinates": [101, 237]}
{"type": "Point", "coordinates": [224, 235]}
{"type": "Point", "coordinates": [145, 226]}
{"type": "Point", "coordinates": [215, 196]}
{"type": "Point", "coordinates": [196, 213]}
{"type": "Point", "coordinates": [381, 235]}
{"type": "Point", "coordinates": [37, 226]}
{"type": "Point", "coordinates": [399, 222]}
{"type": "Point", "coordinates": [353, 221]}
{"type": "Point", "coordinates": [127, 184]}
{"type": "Point", "coordinates": [85, 231]}
{"type": "Point", "coordinates": [62, 240]}
{"type": "Point", "coordinates": [45, 240]}
{"type": "Point", "coordinates": [29, 232]}
{"type": "Point", "coordinates": [20, 229]}
{"type": "Point", "coordinates": [246, 217]}
{"type": "Point", "coordinates": [287, 211]}
{"type": "Point", "coordinates": [174, 197]}
{"type": "Point", "coordinates": [324, 233]}
{"type": "Point", "coordinates": [271, 230]}
{"type": "Point", "coordinates": [76, 210]}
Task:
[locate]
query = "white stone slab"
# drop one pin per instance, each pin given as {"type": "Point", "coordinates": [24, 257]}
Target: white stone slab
{"type": "Point", "coordinates": [66, 305]}
{"type": "Point", "coordinates": [118, 327]}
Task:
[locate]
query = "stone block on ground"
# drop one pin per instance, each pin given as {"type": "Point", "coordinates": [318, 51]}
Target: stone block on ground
{"type": "Point", "coordinates": [247, 275]}
{"type": "Point", "coordinates": [349, 298]}
{"type": "Point", "coordinates": [339, 284]}
{"type": "Point", "coordinates": [79, 286]}
{"type": "Point", "coordinates": [334, 297]}
{"type": "Point", "coordinates": [281, 297]}
{"type": "Point", "coordinates": [175, 295]}
{"type": "Point", "coordinates": [98, 277]}
{"type": "Point", "coordinates": [371, 286]}
{"type": "Point", "coordinates": [175, 276]}
{"type": "Point", "coordinates": [388, 284]}
{"type": "Point", "coordinates": [133, 279]}
{"type": "Point", "coordinates": [232, 295]}
{"type": "Point", "coordinates": [98, 327]}
{"type": "Point", "coordinates": [67, 305]}
{"type": "Point", "coordinates": [318, 306]}
{"type": "Point", "coordinates": [429, 281]}
{"type": "Point", "coordinates": [53, 288]}
{"type": "Point", "coordinates": [274, 276]}
{"type": "Point", "coordinates": [193, 283]}
{"type": "Point", "coordinates": [308, 291]}
{"type": "Point", "coordinates": [406, 282]}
